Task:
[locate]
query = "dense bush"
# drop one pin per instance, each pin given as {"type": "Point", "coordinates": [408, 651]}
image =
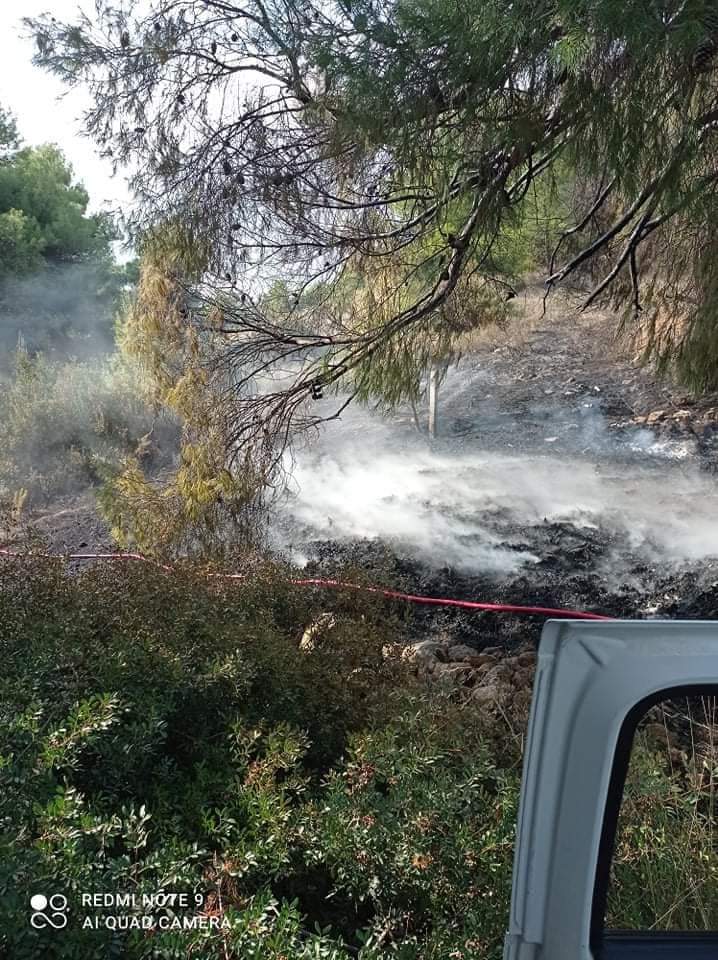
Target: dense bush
{"type": "Point", "coordinates": [162, 734]}
{"type": "Point", "coordinates": [65, 425]}
{"type": "Point", "coordinates": [165, 732]}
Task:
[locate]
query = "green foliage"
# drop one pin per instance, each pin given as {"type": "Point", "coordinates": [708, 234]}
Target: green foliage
{"type": "Point", "coordinates": [38, 182]}
{"type": "Point", "coordinates": [68, 425]}
{"type": "Point", "coordinates": [164, 732]}
{"type": "Point", "coordinates": [419, 824]}
{"type": "Point", "coordinates": [59, 285]}
{"type": "Point", "coordinates": [9, 138]}
{"type": "Point", "coordinates": [20, 242]}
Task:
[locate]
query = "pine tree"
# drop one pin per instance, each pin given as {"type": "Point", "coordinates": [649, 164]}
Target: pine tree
{"type": "Point", "coordinates": [385, 149]}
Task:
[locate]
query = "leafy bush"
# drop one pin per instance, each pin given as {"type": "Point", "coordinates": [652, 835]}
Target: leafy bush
{"type": "Point", "coordinates": [162, 734]}
{"type": "Point", "coordinates": [169, 733]}
{"type": "Point", "coordinates": [65, 425]}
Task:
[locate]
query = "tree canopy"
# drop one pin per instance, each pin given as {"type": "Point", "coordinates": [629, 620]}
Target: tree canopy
{"type": "Point", "coordinates": [383, 150]}
{"type": "Point", "coordinates": [57, 268]}
{"type": "Point", "coordinates": [43, 212]}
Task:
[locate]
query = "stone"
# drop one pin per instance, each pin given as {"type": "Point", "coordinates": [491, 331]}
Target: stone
{"type": "Point", "coordinates": [489, 695]}
{"type": "Point", "coordinates": [424, 650]}
{"type": "Point", "coordinates": [498, 673]}
{"type": "Point", "coordinates": [522, 678]}
{"type": "Point", "coordinates": [481, 669]}
{"type": "Point", "coordinates": [455, 673]}
{"type": "Point", "coordinates": [314, 632]}
{"type": "Point", "coordinates": [461, 651]}
{"type": "Point", "coordinates": [682, 415]}
{"type": "Point", "coordinates": [481, 660]}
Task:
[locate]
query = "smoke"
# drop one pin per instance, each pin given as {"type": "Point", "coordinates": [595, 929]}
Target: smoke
{"type": "Point", "coordinates": [466, 502]}
{"type": "Point", "coordinates": [63, 310]}
{"type": "Point", "coordinates": [65, 425]}
{"type": "Point", "coordinates": [422, 503]}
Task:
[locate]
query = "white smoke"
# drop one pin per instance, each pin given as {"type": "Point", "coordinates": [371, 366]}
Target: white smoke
{"type": "Point", "coordinates": [454, 503]}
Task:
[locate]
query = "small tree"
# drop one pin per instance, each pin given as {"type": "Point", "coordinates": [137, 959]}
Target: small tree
{"type": "Point", "coordinates": [198, 506]}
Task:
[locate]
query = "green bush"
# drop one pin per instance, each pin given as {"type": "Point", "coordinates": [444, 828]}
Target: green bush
{"type": "Point", "coordinates": [162, 734]}
{"type": "Point", "coordinates": [167, 733]}
{"type": "Point", "coordinates": [67, 425]}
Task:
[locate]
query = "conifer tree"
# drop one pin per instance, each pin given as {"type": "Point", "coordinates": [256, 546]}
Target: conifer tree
{"type": "Point", "coordinates": [371, 155]}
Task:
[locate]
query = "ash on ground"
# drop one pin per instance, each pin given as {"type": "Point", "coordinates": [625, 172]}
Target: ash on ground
{"type": "Point", "coordinates": [564, 475]}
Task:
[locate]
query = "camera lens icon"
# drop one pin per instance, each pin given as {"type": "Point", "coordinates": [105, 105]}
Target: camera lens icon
{"type": "Point", "coordinates": [48, 911]}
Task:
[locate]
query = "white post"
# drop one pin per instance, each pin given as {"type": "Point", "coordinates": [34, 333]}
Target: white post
{"type": "Point", "coordinates": [433, 399]}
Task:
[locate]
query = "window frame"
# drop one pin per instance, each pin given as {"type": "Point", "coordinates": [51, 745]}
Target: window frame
{"type": "Point", "coordinates": [609, 943]}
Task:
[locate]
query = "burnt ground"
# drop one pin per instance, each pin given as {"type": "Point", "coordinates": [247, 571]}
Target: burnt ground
{"type": "Point", "coordinates": [566, 401]}
{"type": "Point", "coordinates": [564, 475]}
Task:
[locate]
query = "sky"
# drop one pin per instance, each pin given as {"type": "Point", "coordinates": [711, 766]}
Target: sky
{"type": "Point", "coordinates": [42, 113]}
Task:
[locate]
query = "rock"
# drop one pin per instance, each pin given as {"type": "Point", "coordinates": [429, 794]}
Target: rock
{"type": "Point", "coordinates": [500, 672]}
{"type": "Point", "coordinates": [523, 678]}
{"type": "Point", "coordinates": [314, 632]}
{"type": "Point", "coordinates": [462, 651]}
{"type": "Point", "coordinates": [482, 659]}
{"type": "Point", "coordinates": [489, 695]}
{"type": "Point", "coordinates": [683, 416]}
{"type": "Point", "coordinates": [455, 673]}
{"type": "Point", "coordinates": [481, 670]}
{"type": "Point", "coordinates": [656, 417]}
{"type": "Point", "coordinates": [427, 650]}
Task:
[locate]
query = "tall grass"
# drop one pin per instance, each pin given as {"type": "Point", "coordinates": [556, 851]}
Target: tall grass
{"type": "Point", "coordinates": [665, 867]}
{"type": "Point", "coordinates": [65, 425]}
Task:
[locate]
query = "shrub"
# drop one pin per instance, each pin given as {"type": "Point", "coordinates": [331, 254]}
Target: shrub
{"type": "Point", "coordinates": [168, 733]}
{"type": "Point", "coordinates": [163, 732]}
{"type": "Point", "coordinates": [67, 425]}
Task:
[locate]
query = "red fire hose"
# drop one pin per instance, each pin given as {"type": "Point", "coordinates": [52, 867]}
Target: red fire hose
{"type": "Point", "coordinates": [338, 585]}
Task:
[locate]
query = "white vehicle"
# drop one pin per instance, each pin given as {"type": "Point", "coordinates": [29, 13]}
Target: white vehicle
{"type": "Point", "coordinates": [594, 682]}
